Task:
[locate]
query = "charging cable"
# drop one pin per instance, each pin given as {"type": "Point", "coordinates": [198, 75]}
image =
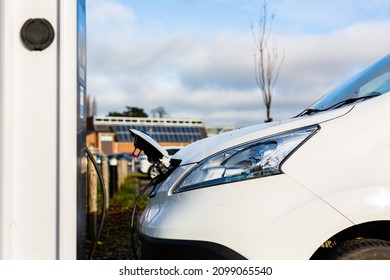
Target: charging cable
{"type": "Point", "coordinates": [104, 199]}
{"type": "Point", "coordinates": [133, 228]}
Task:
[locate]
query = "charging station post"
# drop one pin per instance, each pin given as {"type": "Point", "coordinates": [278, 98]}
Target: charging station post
{"type": "Point", "coordinates": [42, 129]}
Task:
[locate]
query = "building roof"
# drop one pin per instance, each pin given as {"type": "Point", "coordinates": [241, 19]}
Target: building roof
{"type": "Point", "coordinates": [163, 129]}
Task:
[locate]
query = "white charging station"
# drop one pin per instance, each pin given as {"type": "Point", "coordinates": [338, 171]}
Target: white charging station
{"type": "Point", "coordinates": [42, 129]}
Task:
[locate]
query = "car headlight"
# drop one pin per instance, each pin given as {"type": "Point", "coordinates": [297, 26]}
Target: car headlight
{"type": "Point", "coordinates": [256, 159]}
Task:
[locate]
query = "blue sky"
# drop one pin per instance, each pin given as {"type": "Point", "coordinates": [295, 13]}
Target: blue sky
{"type": "Point", "coordinates": [195, 57]}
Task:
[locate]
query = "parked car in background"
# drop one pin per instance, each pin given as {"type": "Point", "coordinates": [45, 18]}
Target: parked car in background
{"type": "Point", "coordinates": [145, 167]}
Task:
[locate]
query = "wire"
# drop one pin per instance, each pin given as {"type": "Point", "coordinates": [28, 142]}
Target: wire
{"type": "Point", "coordinates": [132, 227]}
{"type": "Point", "coordinates": [104, 201]}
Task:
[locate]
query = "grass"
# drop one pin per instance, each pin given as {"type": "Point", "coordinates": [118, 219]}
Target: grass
{"type": "Point", "coordinates": [115, 241]}
{"type": "Point", "coordinates": [126, 196]}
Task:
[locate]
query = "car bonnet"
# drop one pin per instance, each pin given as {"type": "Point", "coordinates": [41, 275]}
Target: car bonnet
{"type": "Point", "coordinates": [206, 147]}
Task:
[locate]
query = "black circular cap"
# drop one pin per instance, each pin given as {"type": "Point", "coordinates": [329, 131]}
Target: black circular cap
{"type": "Point", "coordinates": [37, 34]}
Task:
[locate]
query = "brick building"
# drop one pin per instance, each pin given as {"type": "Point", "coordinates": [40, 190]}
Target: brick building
{"type": "Point", "coordinates": [111, 135]}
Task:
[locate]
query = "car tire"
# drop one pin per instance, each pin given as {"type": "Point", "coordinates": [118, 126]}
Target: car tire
{"type": "Point", "coordinates": [152, 173]}
{"type": "Point", "coordinates": [363, 249]}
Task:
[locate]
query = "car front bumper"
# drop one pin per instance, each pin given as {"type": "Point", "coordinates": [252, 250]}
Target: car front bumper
{"type": "Point", "coordinates": [169, 249]}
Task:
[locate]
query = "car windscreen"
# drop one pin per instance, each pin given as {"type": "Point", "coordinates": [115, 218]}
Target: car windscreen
{"type": "Point", "coordinates": [371, 82]}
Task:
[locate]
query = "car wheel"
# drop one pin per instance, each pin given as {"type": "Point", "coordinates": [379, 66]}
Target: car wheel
{"type": "Point", "coordinates": [153, 172]}
{"type": "Point", "coordinates": [363, 249]}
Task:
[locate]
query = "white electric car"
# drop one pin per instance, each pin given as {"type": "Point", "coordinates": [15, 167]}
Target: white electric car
{"type": "Point", "coordinates": [316, 186]}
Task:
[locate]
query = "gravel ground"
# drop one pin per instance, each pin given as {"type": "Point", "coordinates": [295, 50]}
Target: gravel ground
{"type": "Point", "coordinates": [115, 240]}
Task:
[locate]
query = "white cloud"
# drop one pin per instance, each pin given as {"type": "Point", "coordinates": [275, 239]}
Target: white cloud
{"type": "Point", "coordinates": [199, 75]}
{"type": "Point", "coordinates": [314, 61]}
{"type": "Point", "coordinates": [103, 15]}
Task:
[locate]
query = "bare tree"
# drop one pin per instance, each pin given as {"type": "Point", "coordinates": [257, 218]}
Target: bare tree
{"type": "Point", "coordinates": [159, 112]}
{"type": "Point", "coordinates": [94, 107]}
{"type": "Point", "coordinates": [91, 106]}
{"type": "Point", "coordinates": [267, 60]}
{"type": "Point", "coordinates": [88, 106]}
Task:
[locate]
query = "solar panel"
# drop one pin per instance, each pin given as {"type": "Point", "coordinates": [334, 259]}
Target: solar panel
{"type": "Point", "coordinates": [161, 133]}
